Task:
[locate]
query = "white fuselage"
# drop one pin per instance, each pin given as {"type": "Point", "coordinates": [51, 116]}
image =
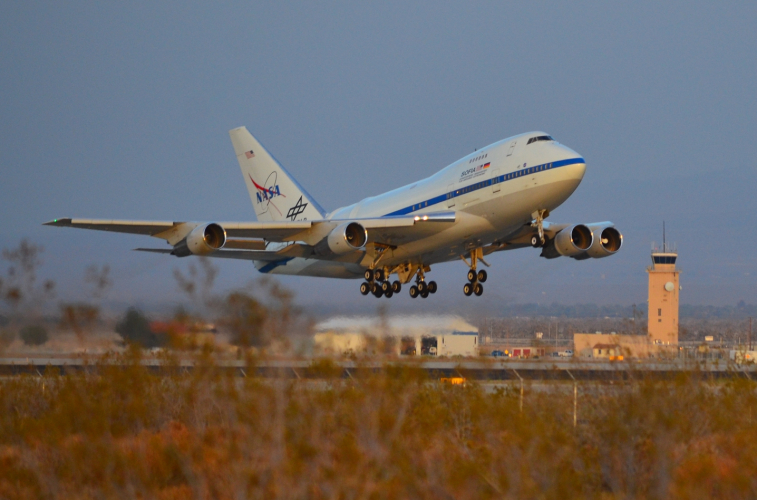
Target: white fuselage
{"type": "Point", "coordinates": [494, 192]}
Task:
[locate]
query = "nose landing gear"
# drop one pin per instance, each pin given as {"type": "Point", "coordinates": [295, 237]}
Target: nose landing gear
{"type": "Point", "coordinates": [475, 278]}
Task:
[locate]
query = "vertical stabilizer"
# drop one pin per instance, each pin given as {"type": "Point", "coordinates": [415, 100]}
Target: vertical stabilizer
{"type": "Point", "coordinates": [275, 194]}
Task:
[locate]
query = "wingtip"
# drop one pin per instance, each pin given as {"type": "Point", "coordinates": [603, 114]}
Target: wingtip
{"type": "Point", "coordinates": [66, 221]}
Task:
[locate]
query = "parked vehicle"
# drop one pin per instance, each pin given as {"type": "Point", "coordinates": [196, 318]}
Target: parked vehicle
{"type": "Point", "coordinates": [566, 354]}
{"type": "Point", "coordinates": [499, 354]}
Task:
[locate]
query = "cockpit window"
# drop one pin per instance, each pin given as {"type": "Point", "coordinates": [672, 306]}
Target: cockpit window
{"type": "Point", "coordinates": [540, 138]}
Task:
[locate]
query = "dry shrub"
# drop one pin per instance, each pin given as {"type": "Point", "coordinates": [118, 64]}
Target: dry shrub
{"type": "Point", "coordinates": [119, 429]}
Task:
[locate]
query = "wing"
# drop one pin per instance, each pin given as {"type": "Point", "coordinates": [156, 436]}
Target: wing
{"type": "Point", "coordinates": [248, 240]}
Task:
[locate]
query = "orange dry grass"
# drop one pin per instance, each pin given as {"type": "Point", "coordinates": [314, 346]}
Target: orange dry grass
{"type": "Point", "coordinates": [124, 432]}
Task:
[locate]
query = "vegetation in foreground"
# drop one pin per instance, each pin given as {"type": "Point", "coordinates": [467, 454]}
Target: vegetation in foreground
{"type": "Point", "coordinates": [128, 432]}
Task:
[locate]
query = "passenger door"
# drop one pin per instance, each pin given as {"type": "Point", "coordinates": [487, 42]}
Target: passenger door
{"type": "Point", "coordinates": [451, 195]}
{"type": "Point", "coordinates": [496, 185]}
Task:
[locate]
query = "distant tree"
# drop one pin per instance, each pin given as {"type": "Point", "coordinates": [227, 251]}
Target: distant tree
{"type": "Point", "coordinates": [6, 338]}
{"type": "Point", "coordinates": [134, 328]}
{"type": "Point", "coordinates": [33, 335]}
{"type": "Point", "coordinates": [245, 318]}
{"type": "Point", "coordinates": [79, 318]}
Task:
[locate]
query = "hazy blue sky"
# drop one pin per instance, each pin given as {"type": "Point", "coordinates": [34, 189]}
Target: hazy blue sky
{"type": "Point", "coordinates": [122, 110]}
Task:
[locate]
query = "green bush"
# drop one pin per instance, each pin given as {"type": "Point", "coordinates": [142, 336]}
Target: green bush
{"type": "Point", "coordinates": [33, 335]}
{"type": "Point", "coordinates": [134, 328]}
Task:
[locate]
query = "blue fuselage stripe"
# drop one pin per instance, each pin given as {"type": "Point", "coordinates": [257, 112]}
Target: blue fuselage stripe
{"type": "Point", "coordinates": [485, 183]}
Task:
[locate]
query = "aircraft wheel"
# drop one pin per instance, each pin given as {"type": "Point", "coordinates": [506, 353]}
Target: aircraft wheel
{"type": "Point", "coordinates": [375, 288]}
{"type": "Point", "coordinates": [482, 276]}
{"type": "Point", "coordinates": [365, 288]}
{"type": "Point", "coordinates": [422, 287]}
{"type": "Point", "coordinates": [378, 275]}
{"type": "Point", "coordinates": [414, 291]}
{"type": "Point", "coordinates": [472, 276]}
{"type": "Point", "coordinates": [478, 289]}
{"type": "Point", "coordinates": [368, 275]}
{"type": "Point", "coordinates": [386, 286]}
{"type": "Point", "coordinates": [378, 293]}
{"type": "Point", "coordinates": [432, 287]}
{"type": "Point", "coordinates": [396, 287]}
{"type": "Point", "coordinates": [535, 241]}
{"type": "Point", "coordinates": [388, 293]}
{"type": "Point", "coordinates": [468, 289]}
{"type": "Point", "coordinates": [424, 293]}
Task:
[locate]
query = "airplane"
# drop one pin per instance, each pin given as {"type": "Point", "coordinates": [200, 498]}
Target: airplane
{"type": "Point", "coordinates": [494, 199]}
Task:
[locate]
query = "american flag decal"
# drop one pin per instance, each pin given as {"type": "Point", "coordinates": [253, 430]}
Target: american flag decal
{"type": "Point", "coordinates": [249, 154]}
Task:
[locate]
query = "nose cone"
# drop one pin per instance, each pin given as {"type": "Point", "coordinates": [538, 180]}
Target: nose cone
{"type": "Point", "coordinates": [576, 167]}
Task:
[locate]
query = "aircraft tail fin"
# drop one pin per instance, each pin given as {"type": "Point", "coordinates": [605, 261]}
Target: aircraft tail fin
{"type": "Point", "coordinates": [275, 194]}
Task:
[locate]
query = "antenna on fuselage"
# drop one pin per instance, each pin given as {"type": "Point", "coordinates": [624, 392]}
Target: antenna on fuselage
{"type": "Point", "coordinates": [664, 246]}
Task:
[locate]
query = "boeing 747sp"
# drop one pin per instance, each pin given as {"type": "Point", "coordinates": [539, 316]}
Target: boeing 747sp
{"type": "Point", "coordinates": [494, 199]}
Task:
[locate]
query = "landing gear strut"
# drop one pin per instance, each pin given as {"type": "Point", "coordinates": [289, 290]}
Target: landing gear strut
{"type": "Point", "coordinates": [538, 240]}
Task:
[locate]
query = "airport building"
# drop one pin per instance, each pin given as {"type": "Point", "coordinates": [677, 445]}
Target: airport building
{"type": "Point", "coordinates": [397, 335]}
{"type": "Point", "coordinates": [662, 326]}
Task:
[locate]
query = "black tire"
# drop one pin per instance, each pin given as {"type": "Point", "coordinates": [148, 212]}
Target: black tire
{"type": "Point", "coordinates": [396, 287]}
{"type": "Point", "coordinates": [535, 241]}
{"type": "Point", "coordinates": [375, 288]}
{"type": "Point", "coordinates": [422, 286]}
{"type": "Point", "coordinates": [482, 276]}
{"type": "Point", "coordinates": [378, 275]}
{"type": "Point", "coordinates": [472, 276]}
{"type": "Point", "coordinates": [424, 293]}
{"type": "Point", "coordinates": [414, 291]}
{"type": "Point", "coordinates": [368, 275]}
{"type": "Point", "coordinates": [478, 289]}
{"type": "Point", "coordinates": [432, 287]}
{"type": "Point", "coordinates": [468, 289]}
{"type": "Point", "coordinates": [379, 293]}
{"type": "Point", "coordinates": [385, 286]}
{"type": "Point", "coordinates": [365, 288]}
{"type": "Point", "coordinates": [388, 294]}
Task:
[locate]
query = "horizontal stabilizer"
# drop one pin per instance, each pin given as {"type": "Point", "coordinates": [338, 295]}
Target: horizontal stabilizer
{"type": "Point", "coordinates": [154, 250]}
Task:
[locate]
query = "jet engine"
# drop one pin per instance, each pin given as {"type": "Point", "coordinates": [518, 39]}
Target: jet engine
{"type": "Point", "coordinates": [569, 242]}
{"type": "Point", "coordinates": [607, 241]}
{"type": "Point", "coordinates": [342, 239]}
{"type": "Point", "coordinates": [203, 240]}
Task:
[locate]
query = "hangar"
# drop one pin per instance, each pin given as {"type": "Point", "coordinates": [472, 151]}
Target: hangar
{"type": "Point", "coordinates": [442, 335]}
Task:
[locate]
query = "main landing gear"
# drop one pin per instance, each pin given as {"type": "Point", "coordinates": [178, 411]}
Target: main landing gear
{"type": "Point", "coordinates": [421, 287]}
{"type": "Point", "coordinates": [475, 278]}
{"type": "Point", "coordinates": [376, 282]}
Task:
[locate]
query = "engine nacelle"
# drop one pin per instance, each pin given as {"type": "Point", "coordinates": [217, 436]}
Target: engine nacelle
{"type": "Point", "coordinates": [342, 239]}
{"type": "Point", "coordinates": [607, 241]}
{"type": "Point", "coordinates": [573, 240]}
{"type": "Point", "coordinates": [203, 240]}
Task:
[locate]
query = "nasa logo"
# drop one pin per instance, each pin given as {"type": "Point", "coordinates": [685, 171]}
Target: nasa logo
{"type": "Point", "coordinates": [269, 190]}
{"type": "Point", "coordinates": [266, 193]}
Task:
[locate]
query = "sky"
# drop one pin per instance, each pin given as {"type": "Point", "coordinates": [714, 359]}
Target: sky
{"type": "Point", "coordinates": [122, 110]}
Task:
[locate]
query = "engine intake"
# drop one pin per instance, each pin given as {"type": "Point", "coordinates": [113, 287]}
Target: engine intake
{"type": "Point", "coordinates": [343, 239]}
{"type": "Point", "coordinates": [607, 241]}
{"type": "Point", "coordinates": [203, 240]}
{"type": "Point", "coordinates": [573, 240]}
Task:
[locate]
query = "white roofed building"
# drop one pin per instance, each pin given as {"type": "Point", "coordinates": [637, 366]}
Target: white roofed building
{"type": "Point", "coordinates": [439, 335]}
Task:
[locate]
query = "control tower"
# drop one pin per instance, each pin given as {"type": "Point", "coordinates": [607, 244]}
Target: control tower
{"type": "Point", "coordinates": [663, 296]}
